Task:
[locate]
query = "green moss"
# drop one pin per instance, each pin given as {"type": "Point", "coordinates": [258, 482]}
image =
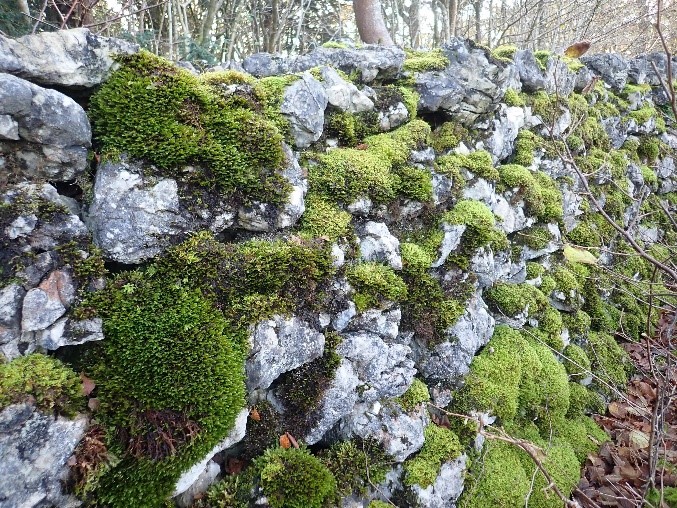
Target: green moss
{"type": "Point", "coordinates": [649, 175]}
{"type": "Point", "coordinates": [341, 124]}
{"type": "Point", "coordinates": [576, 362]}
{"type": "Point", "coordinates": [540, 192]}
{"type": "Point", "coordinates": [346, 174]}
{"type": "Point", "coordinates": [608, 360]}
{"type": "Point", "coordinates": [480, 222]}
{"type": "Point", "coordinates": [648, 148]}
{"type": "Point", "coordinates": [505, 52]}
{"type": "Point", "coordinates": [153, 110]}
{"type": "Point", "coordinates": [440, 446]}
{"type": "Point", "coordinates": [423, 61]}
{"type": "Point", "coordinates": [410, 100]}
{"type": "Point", "coordinates": [356, 465]}
{"type": "Point", "coordinates": [536, 237]}
{"type": "Point", "coordinates": [550, 323]}
{"type": "Point", "coordinates": [583, 401]}
{"type": "Point", "coordinates": [525, 146]}
{"type": "Point", "coordinates": [498, 479]}
{"type": "Point", "coordinates": [233, 491]}
{"type": "Point", "coordinates": [375, 284]}
{"type": "Point", "coordinates": [582, 434]}
{"type": "Point", "coordinates": [323, 219]}
{"type": "Point", "coordinates": [548, 285]}
{"type": "Point", "coordinates": [562, 464]}
{"type": "Point", "coordinates": [414, 257]}
{"type": "Point", "coordinates": [334, 45]}
{"type": "Point", "coordinates": [542, 58]}
{"type": "Point", "coordinates": [573, 64]}
{"type": "Point", "coordinates": [643, 115]}
{"type": "Point", "coordinates": [640, 89]}
{"type": "Point", "coordinates": [293, 478]}
{"type": "Point", "coordinates": [585, 234]}
{"type": "Point", "coordinates": [45, 381]}
{"type": "Point", "coordinates": [447, 136]}
{"type": "Point", "coordinates": [495, 374]}
{"type": "Point", "coordinates": [512, 299]}
{"type": "Point", "coordinates": [379, 504]}
{"type": "Point", "coordinates": [668, 494]}
{"type": "Point", "coordinates": [534, 270]}
{"type": "Point", "coordinates": [577, 323]}
{"type": "Point", "coordinates": [479, 163]}
{"type": "Point", "coordinates": [415, 183]}
{"type": "Point", "coordinates": [513, 98]}
{"type": "Point", "coordinates": [415, 395]}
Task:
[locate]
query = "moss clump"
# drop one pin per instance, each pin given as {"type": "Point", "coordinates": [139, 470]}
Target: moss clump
{"type": "Point", "coordinates": [576, 362]}
{"type": "Point", "coordinates": [423, 61]}
{"type": "Point", "coordinates": [649, 176]}
{"type": "Point", "coordinates": [414, 257]}
{"type": "Point", "coordinates": [480, 222]}
{"type": "Point", "coordinates": [447, 136]}
{"type": "Point", "coordinates": [479, 163]}
{"type": "Point", "coordinates": [415, 395]}
{"type": "Point", "coordinates": [513, 98]}
{"type": "Point", "coordinates": [379, 504]}
{"type": "Point", "coordinates": [643, 115]}
{"type": "Point", "coordinates": [293, 478]}
{"type": "Point", "coordinates": [512, 299]}
{"type": "Point", "coordinates": [648, 148]}
{"type": "Point", "coordinates": [346, 174]}
{"type": "Point", "coordinates": [525, 146]}
{"type": "Point", "coordinates": [577, 323]}
{"type": "Point", "coordinates": [324, 219]}
{"type": "Point", "coordinates": [356, 464]}
{"type": "Point", "coordinates": [539, 191]}
{"type": "Point", "coordinates": [534, 270]}
{"type": "Point", "coordinates": [536, 237]}
{"type": "Point", "coordinates": [153, 110]}
{"type": "Point", "coordinates": [583, 401]}
{"type": "Point", "coordinates": [374, 285]}
{"type": "Point", "coordinates": [542, 58]}
{"type": "Point", "coordinates": [233, 491]}
{"type": "Point", "coordinates": [608, 360]}
{"type": "Point", "coordinates": [440, 446]}
{"type": "Point", "coordinates": [45, 381]}
{"type": "Point", "coordinates": [415, 183]}
{"type": "Point", "coordinates": [502, 480]}
{"type": "Point", "coordinates": [334, 45]}
{"type": "Point", "coordinates": [505, 52]}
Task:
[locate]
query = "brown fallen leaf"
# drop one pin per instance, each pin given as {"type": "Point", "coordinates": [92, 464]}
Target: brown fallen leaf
{"type": "Point", "coordinates": [254, 414]}
{"type": "Point", "coordinates": [577, 49]}
{"type": "Point", "coordinates": [285, 442]}
{"type": "Point", "coordinates": [88, 384]}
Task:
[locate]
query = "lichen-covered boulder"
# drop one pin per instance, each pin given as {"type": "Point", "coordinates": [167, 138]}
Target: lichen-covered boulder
{"type": "Point", "coordinates": [530, 74]}
{"type": "Point", "coordinates": [75, 59]}
{"type": "Point", "coordinates": [343, 94]}
{"type": "Point", "coordinates": [44, 135]}
{"type": "Point", "coordinates": [34, 448]}
{"type": "Point", "coordinates": [471, 86]}
{"type": "Point", "coordinates": [447, 487]}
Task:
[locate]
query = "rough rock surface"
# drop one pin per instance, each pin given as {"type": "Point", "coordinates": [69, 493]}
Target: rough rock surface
{"type": "Point", "coordinates": [378, 244]}
{"type": "Point", "coordinates": [44, 135]}
{"type": "Point", "coordinates": [343, 94]}
{"type": "Point", "coordinates": [34, 448]}
{"type": "Point", "coordinates": [371, 61]}
{"type": "Point", "coordinates": [611, 67]}
{"type": "Point", "coordinates": [303, 105]}
{"type": "Point", "coordinates": [75, 59]}
{"type": "Point", "coordinates": [472, 85]}
{"type": "Point", "coordinates": [279, 345]}
{"type": "Point", "coordinates": [447, 487]}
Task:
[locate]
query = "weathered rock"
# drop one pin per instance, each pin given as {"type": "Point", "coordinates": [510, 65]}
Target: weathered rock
{"type": "Point", "coordinates": [506, 127]}
{"type": "Point", "coordinates": [342, 94]}
{"type": "Point", "coordinates": [393, 117]}
{"type": "Point", "coordinates": [530, 74]}
{"type": "Point", "coordinates": [612, 68]}
{"type": "Point", "coordinates": [472, 85]}
{"type": "Point", "coordinates": [76, 59]}
{"type": "Point", "coordinates": [447, 487]}
{"type": "Point", "coordinates": [490, 266]}
{"type": "Point", "coordinates": [338, 401]}
{"type": "Point", "coordinates": [34, 448]}
{"type": "Point", "coordinates": [371, 61]}
{"type": "Point", "coordinates": [451, 239]}
{"type": "Point", "coordinates": [134, 217]}
{"type": "Point", "coordinates": [448, 362]}
{"type": "Point", "coordinates": [641, 68]}
{"type": "Point", "coordinates": [189, 477]}
{"type": "Point", "coordinates": [401, 434]}
{"type": "Point", "coordinates": [303, 106]}
{"type": "Point", "coordinates": [43, 305]}
{"type": "Point", "coordinates": [45, 135]}
{"type": "Point", "coordinates": [279, 345]}
{"type": "Point", "coordinates": [560, 79]}
{"type": "Point", "coordinates": [11, 300]}
{"type": "Point", "coordinates": [199, 486]}
{"type": "Point", "coordinates": [384, 323]}
{"type": "Point", "coordinates": [378, 244]}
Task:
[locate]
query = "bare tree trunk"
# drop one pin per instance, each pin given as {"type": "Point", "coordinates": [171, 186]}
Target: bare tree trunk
{"type": "Point", "coordinates": [370, 24]}
{"type": "Point", "coordinates": [453, 17]}
{"type": "Point", "coordinates": [414, 27]}
{"type": "Point", "coordinates": [23, 7]}
{"type": "Point", "coordinates": [478, 12]}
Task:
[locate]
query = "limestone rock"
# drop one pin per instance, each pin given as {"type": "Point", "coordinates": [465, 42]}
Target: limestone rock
{"type": "Point", "coordinates": [342, 94]}
{"type": "Point", "coordinates": [303, 106]}
{"type": "Point", "coordinates": [447, 487]}
{"type": "Point", "coordinates": [378, 244]}
{"type": "Point", "coordinates": [44, 134]}
{"type": "Point", "coordinates": [612, 68]}
{"type": "Point", "coordinates": [34, 448]}
{"type": "Point", "coordinates": [76, 59]}
{"type": "Point", "coordinates": [279, 345]}
{"type": "Point", "coordinates": [471, 86]}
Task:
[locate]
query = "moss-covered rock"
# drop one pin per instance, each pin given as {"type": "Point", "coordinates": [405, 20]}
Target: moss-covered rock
{"type": "Point", "coordinates": [374, 285]}
{"type": "Point", "coordinates": [440, 446]}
